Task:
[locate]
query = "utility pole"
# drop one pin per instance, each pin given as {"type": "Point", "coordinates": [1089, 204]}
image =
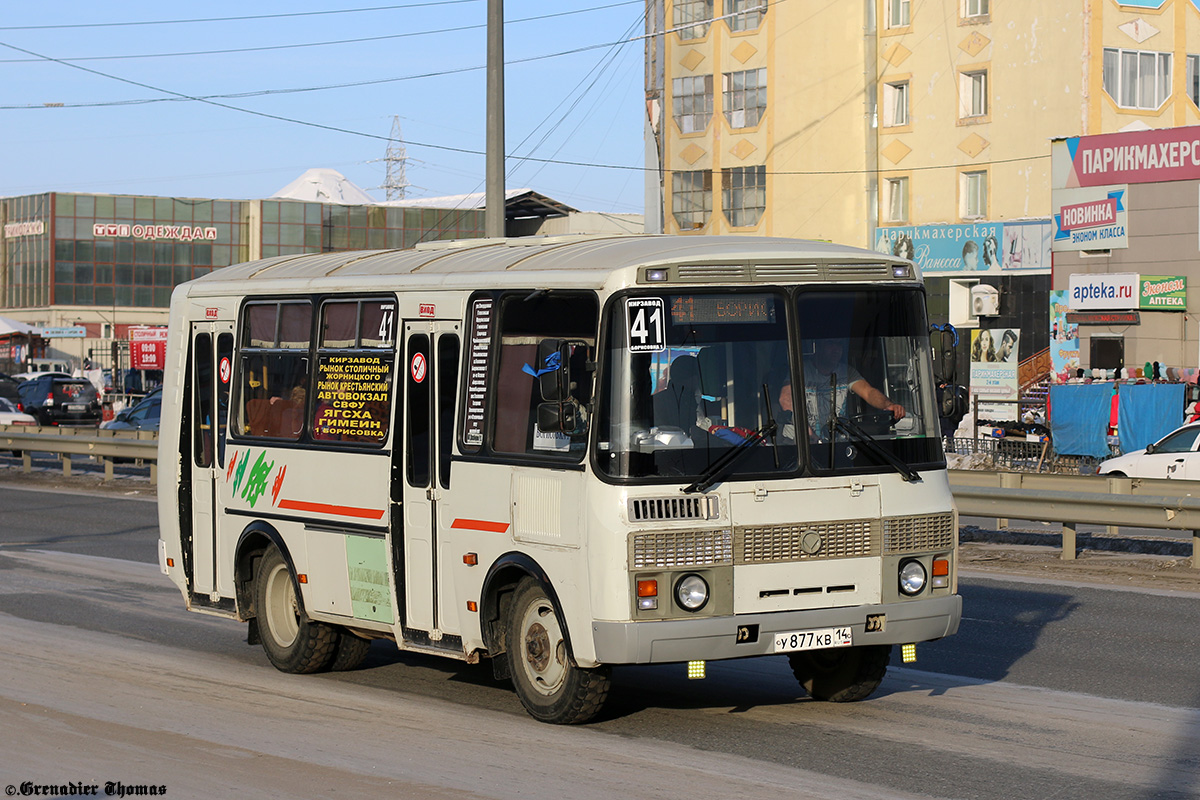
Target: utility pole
{"type": "Point", "coordinates": [493, 215]}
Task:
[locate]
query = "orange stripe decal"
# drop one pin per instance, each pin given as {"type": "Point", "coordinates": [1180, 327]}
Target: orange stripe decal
{"type": "Point", "coordinates": [338, 511]}
{"type": "Point", "coordinates": [480, 525]}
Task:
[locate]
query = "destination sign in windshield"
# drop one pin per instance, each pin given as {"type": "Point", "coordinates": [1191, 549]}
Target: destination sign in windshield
{"type": "Point", "coordinates": [709, 309]}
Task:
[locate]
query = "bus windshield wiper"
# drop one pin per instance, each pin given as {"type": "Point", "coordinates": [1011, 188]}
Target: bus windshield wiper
{"type": "Point", "coordinates": [714, 471]}
{"type": "Point", "coordinates": [868, 441]}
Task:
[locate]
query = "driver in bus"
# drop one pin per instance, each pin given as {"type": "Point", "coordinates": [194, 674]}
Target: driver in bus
{"type": "Point", "coordinates": [829, 379]}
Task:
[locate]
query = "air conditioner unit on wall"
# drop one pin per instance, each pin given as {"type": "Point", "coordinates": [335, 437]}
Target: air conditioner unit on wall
{"type": "Point", "coordinates": [985, 300]}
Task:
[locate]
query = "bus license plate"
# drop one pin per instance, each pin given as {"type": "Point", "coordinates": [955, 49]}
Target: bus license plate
{"type": "Point", "coordinates": [812, 640]}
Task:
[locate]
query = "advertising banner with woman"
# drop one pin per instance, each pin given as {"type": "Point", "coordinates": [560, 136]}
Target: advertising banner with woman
{"type": "Point", "coordinates": [994, 363]}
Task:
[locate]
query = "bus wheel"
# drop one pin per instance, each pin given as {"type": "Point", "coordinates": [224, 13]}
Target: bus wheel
{"type": "Point", "coordinates": [843, 674]}
{"type": "Point", "coordinates": [351, 652]}
{"type": "Point", "coordinates": [551, 687]}
{"type": "Point", "coordinates": [293, 643]}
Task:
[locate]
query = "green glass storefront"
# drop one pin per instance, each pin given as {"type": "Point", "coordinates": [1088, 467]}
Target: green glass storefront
{"type": "Point", "coordinates": [122, 250]}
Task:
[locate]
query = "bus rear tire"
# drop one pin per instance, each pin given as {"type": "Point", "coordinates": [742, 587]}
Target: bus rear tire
{"type": "Point", "coordinates": [841, 675]}
{"type": "Point", "coordinates": [551, 687]}
{"type": "Point", "coordinates": [293, 642]}
{"type": "Point", "coordinates": [350, 653]}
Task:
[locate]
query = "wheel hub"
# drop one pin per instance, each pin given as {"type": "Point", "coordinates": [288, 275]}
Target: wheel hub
{"type": "Point", "coordinates": [537, 647]}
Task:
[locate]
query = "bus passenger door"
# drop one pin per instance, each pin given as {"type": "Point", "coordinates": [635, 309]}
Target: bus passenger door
{"type": "Point", "coordinates": [431, 383]}
{"type": "Point", "coordinates": [211, 374]}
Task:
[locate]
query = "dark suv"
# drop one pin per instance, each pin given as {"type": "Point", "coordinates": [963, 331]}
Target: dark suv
{"type": "Point", "coordinates": [55, 400]}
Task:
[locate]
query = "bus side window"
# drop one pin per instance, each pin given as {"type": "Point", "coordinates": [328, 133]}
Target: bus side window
{"type": "Point", "coordinates": [525, 320]}
{"type": "Point", "coordinates": [274, 369]}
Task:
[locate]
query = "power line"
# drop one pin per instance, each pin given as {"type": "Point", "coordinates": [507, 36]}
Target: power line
{"type": "Point", "coordinates": [78, 25]}
{"type": "Point", "coordinates": [300, 45]}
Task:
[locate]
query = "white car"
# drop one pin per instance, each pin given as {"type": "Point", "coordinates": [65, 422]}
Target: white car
{"type": "Point", "coordinates": [1173, 456]}
{"type": "Point", "coordinates": [9, 415]}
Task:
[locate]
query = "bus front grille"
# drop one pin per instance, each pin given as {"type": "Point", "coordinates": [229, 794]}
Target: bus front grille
{"type": "Point", "coordinates": [918, 533]}
{"type": "Point", "coordinates": [665, 549]}
{"type": "Point", "coordinates": [765, 544]}
{"type": "Point", "coordinates": [643, 509]}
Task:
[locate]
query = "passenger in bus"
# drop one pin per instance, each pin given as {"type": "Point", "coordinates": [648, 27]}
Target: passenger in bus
{"type": "Point", "coordinates": [292, 416]}
{"type": "Point", "coordinates": [677, 405]}
{"type": "Point", "coordinates": [828, 381]}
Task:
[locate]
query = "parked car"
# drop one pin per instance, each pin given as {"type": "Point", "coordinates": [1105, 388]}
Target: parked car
{"type": "Point", "coordinates": [28, 376]}
{"type": "Point", "coordinates": [142, 416]}
{"type": "Point", "coordinates": [54, 400]}
{"type": "Point", "coordinates": [1173, 456]}
{"type": "Point", "coordinates": [9, 415]}
{"type": "Point", "coordinates": [8, 388]}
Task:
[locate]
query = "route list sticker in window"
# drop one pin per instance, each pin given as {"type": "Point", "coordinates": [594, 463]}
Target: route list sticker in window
{"type": "Point", "coordinates": [353, 398]}
{"type": "Point", "coordinates": [481, 342]}
{"type": "Point", "coordinates": [645, 319]}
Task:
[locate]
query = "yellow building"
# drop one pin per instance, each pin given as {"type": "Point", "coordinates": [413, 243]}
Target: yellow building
{"type": "Point", "coordinates": [829, 120]}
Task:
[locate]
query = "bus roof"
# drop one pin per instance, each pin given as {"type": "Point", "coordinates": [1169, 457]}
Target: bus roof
{"type": "Point", "coordinates": [588, 259]}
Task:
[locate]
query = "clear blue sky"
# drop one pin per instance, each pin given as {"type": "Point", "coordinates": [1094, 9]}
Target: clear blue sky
{"type": "Point", "coordinates": [581, 107]}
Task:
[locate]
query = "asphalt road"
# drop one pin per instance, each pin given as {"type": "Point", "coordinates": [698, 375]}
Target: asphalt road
{"type": "Point", "coordinates": [1047, 691]}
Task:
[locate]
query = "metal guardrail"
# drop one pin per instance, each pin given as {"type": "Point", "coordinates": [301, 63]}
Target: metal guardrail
{"type": "Point", "coordinates": [1068, 499]}
{"type": "Point", "coordinates": [81, 441]}
{"type": "Point", "coordinates": [1080, 499]}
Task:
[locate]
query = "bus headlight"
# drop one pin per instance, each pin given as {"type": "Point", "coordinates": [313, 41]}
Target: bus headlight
{"type": "Point", "coordinates": [912, 577]}
{"type": "Point", "coordinates": [691, 592]}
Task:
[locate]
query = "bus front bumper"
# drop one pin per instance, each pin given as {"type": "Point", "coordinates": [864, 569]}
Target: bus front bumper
{"type": "Point", "coordinates": [715, 638]}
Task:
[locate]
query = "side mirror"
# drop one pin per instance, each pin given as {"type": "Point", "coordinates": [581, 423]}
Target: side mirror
{"type": "Point", "coordinates": [1150, 449]}
{"type": "Point", "coordinates": [560, 417]}
{"type": "Point", "coordinates": [553, 369]}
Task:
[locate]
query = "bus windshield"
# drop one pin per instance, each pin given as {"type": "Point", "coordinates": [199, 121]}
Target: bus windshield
{"type": "Point", "coordinates": [866, 374]}
{"type": "Point", "coordinates": [690, 376]}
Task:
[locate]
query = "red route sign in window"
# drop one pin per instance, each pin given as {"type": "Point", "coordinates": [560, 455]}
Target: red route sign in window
{"type": "Point", "coordinates": [147, 347]}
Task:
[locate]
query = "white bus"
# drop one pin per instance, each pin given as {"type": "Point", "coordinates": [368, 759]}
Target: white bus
{"type": "Point", "coordinates": [563, 454]}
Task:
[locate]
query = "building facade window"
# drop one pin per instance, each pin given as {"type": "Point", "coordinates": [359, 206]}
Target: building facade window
{"type": "Point", "coordinates": [691, 18]}
{"type": "Point", "coordinates": [972, 94]}
{"type": "Point", "coordinates": [897, 200]}
{"type": "Point", "coordinates": [1137, 78]}
{"type": "Point", "coordinates": [1193, 79]}
{"type": "Point", "coordinates": [744, 96]}
{"type": "Point", "coordinates": [973, 190]}
{"type": "Point", "coordinates": [692, 102]}
{"type": "Point", "coordinates": [744, 194]}
{"type": "Point", "coordinates": [898, 13]}
{"type": "Point", "coordinates": [895, 104]}
{"type": "Point", "coordinates": [974, 9]}
{"type": "Point", "coordinates": [747, 14]}
{"type": "Point", "coordinates": [691, 198]}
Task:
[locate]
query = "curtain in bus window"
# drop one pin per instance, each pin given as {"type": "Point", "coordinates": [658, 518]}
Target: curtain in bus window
{"type": "Point", "coordinates": [260, 325]}
{"type": "Point", "coordinates": [295, 325]}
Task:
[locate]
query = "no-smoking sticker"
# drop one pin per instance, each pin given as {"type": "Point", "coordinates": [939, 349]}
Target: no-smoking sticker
{"type": "Point", "coordinates": [418, 367]}
{"type": "Point", "coordinates": [225, 370]}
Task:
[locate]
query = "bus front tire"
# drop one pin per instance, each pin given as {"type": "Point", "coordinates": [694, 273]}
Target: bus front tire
{"type": "Point", "coordinates": [841, 675]}
{"type": "Point", "coordinates": [547, 681]}
{"type": "Point", "coordinates": [293, 642]}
